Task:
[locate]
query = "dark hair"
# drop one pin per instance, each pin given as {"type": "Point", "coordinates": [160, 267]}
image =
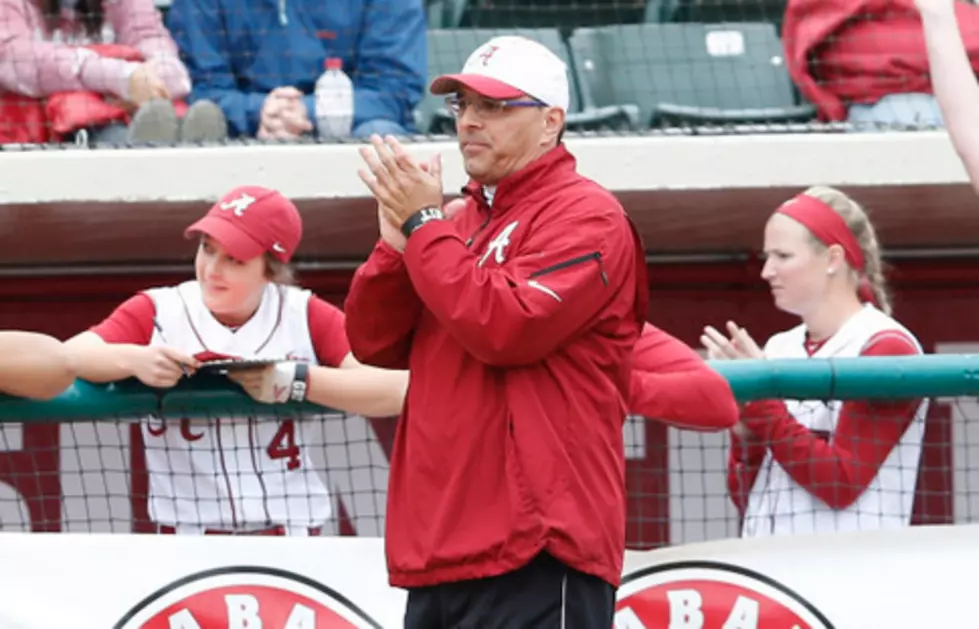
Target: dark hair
{"type": "Point", "coordinates": [279, 272]}
{"type": "Point", "coordinates": [90, 14]}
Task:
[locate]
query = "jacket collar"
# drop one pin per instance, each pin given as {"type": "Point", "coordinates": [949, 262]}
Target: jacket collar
{"type": "Point", "coordinates": [557, 163]}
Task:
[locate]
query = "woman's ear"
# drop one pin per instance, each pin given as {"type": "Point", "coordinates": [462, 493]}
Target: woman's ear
{"type": "Point", "coordinates": [836, 258]}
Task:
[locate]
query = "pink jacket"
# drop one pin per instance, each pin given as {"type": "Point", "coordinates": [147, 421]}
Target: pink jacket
{"type": "Point", "coordinates": [34, 66]}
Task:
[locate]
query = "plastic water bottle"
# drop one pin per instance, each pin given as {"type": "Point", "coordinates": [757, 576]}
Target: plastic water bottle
{"type": "Point", "coordinates": [334, 101]}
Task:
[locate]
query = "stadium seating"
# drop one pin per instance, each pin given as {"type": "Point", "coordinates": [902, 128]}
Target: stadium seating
{"type": "Point", "coordinates": [688, 74]}
{"type": "Point", "coordinates": [445, 13]}
{"type": "Point", "coordinates": [716, 11]}
{"type": "Point", "coordinates": [564, 14]}
{"type": "Point", "coordinates": [569, 14]}
{"type": "Point", "coordinates": [447, 53]}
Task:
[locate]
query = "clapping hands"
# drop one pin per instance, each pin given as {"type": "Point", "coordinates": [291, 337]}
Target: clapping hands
{"type": "Point", "coordinates": [738, 343]}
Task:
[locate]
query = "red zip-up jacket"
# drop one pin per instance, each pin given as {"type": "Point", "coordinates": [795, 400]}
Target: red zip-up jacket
{"type": "Point", "coordinates": [840, 52]}
{"type": "Point", "coordinates": [517, 323]}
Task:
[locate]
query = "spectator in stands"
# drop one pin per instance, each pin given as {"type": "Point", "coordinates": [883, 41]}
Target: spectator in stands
{"type": "Point", "coordinates": [260, 61]}
{"type": "Point", "coordinates": [33, 365]}
{"type": "Point", "coordinates": [814, 466]}
{"type": "Point", "coordinates": [117, 50]}
{"type": "Point", "coordinates": [953, 59]}
{"type": "Point", "coordinates": [238, 475]}
{"type": "Point", "coordinates": [864, 61]}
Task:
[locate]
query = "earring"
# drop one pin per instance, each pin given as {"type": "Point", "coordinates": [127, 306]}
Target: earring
{"type": "Point", "coordinates": [830, 271]}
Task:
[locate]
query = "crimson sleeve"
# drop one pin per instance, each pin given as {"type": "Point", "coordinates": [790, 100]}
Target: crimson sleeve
{"type": "Point", "coordinates": [382, 310]}
{"type": "Point", "coordinates": [567, 270]}
{"type": "Point", "coordinates": [131, 322]}
{"type": "Point", "coordinates": [839, 470]}
{"type": "Point", "coordinates": [673, 384]}
{"type": "Point", "coordinates": [327, 331]}
{"type": "Point", "coordinates": [744, 462]}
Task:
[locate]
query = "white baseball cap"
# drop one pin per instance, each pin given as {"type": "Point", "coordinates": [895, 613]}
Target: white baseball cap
{"type": "Point", "coordinates": [508, 66]}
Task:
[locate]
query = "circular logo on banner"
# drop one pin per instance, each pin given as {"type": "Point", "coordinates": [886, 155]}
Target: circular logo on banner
{"type": "Point", "coordinates": [246, 596]}
{"type": "Point", "coordinates": [710, 595]}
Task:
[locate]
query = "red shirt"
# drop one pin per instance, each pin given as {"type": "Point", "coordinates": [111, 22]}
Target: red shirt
{"type": "Point", "coordinates": [672, 383]}
{"type": "Point", "coordinates": [836, 468]}
{"type": "Point", "coordinates": [132, 322]}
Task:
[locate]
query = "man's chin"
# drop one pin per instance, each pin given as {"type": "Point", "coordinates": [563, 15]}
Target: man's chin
{"type": "Point", "coordinates": [476, 170]}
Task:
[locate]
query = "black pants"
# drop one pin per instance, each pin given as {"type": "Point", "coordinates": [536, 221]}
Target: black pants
{"type": "Point", "coordinates": [544, 594]}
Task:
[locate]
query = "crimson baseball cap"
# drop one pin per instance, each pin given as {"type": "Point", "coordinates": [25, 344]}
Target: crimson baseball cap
{"type": "Point", "coordinates": [508, 66]}
{"type": "Point", "coordinates": [250, 221]}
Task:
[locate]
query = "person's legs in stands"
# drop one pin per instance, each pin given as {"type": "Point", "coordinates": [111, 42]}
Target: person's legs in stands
{"type": "Point", "coordinates": [203, 122]}
{"type": "Point", "coordinates": [896, 111]}
{"type": "Point", "coordinates": [381, 127]}
{"type": "Point", "coordinates": [114, 133]}
{"type": "Point", "coordinates": [155, 121]}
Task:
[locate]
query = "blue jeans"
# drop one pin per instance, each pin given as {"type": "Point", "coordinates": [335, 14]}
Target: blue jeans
{"type": "Point", "coordinates": [897, 110]}
{"type": "Point", "coordinates": [379, 126]}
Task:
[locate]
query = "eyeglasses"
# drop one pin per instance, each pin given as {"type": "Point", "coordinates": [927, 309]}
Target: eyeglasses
{"type": "Point", "coordinates": [485, 107]}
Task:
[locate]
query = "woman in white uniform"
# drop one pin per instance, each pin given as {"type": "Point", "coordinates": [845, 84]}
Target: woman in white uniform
{"type": "Point", "coordinates": [231, 475]}
{"type": "Point", "coordinates": [805, 466]}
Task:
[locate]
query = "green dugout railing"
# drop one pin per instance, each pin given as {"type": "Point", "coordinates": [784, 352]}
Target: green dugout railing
{"type": "Point", "coordinates": [947, 375]}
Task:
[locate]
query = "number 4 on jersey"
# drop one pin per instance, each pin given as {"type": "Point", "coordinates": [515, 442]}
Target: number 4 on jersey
{"type": "Point", "coordinates": [283, 445]}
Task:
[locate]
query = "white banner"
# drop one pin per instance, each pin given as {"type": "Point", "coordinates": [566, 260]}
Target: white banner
{"type": "Point", "coordinates": [911, 578]}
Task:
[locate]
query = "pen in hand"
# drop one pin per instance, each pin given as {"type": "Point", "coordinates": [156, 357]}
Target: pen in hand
{"type": "Point", "coordinates": [159, 328]}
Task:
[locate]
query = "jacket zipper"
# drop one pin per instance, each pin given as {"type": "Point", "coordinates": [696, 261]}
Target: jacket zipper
{"type": "Point", "coordinates": [472, 238]}
{"type": "Point", "coordinates": [595, 255]}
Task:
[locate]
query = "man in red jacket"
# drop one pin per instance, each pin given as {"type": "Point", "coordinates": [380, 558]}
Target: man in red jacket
{"type": "Point", "coordinates": [517, 319]}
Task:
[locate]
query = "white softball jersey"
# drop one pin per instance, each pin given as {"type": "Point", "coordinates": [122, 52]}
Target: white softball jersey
{"type": "Point", "coordinates": [778, 505]}
{"type": "Point", "coordinates": [234, 472]}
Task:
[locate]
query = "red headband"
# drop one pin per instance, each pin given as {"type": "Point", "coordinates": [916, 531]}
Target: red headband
{"type": "Point", "coordinates": [830, 229]}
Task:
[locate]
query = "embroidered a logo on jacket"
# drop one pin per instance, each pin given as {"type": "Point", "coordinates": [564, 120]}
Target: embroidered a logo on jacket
{"type": "Point", "coordinates": [499, 244]}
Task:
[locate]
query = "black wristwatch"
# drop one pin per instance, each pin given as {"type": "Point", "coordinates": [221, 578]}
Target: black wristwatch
{"type": "Point", "coordinates": [300, 383]}
{"type": "Point", "coordinates": [421, 217]}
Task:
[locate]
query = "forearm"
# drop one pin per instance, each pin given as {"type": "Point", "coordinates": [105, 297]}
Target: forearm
{"type": "Point", "coordinates": [33, 365]}
{"type": "Point", "coordinates": [173, 74]}
{"type": "Point", "coordinates": [954, 84]}
{"type": "Point", "coordinates": [698, 399]}
{"type": "Point", "coordinates": [382, 310]}
{"type": "Point", "coordinates": [839, 470]}
{"type": "Point", "coordinates": [362, 390]}
{"type": "Point", "coordinates": [40, 69]}
{"type": "Point", "coordinates": [97, 361]}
